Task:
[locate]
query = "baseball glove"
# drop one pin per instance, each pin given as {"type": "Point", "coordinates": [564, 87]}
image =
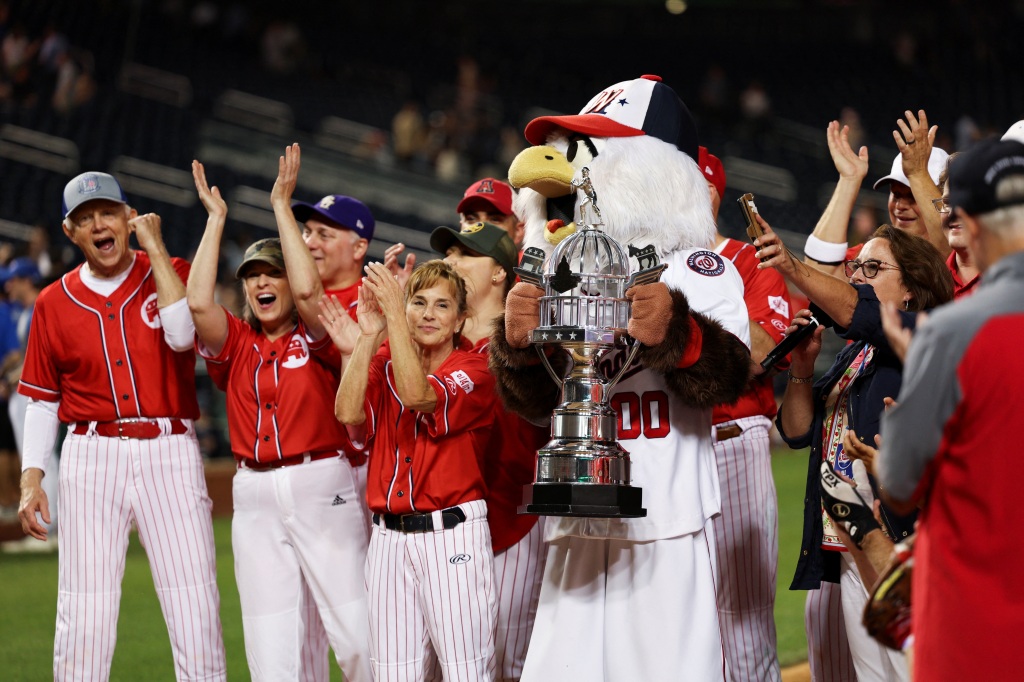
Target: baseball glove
{"type": "Point", "coordinates": [887, 613]}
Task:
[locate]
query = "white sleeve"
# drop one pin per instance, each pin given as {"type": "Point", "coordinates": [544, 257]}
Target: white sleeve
{"type": "Point", "coordinates": [179, 330]}
{"type": "Point", "coordinates": [825, 252]}
{"type": "Point", "coordinates": [40, 433]}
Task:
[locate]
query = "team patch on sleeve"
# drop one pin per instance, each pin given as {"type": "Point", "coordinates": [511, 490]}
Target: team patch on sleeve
{"type": "Point", "coordinates": [459, 379]}
{"type": "Point", "coordinates": [779, 305]}
{"type": "Point", "coordinates": [707, 263]}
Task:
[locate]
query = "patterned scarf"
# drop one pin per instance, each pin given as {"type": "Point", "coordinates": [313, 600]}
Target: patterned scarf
{"type": "Point", "coordinates": [837, 420]}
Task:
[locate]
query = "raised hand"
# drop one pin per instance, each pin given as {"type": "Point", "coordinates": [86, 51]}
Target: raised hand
{"type": "Point", "coordinates": [914, 139]}
{"type": "Point", "coordinates": [342, 329]}
{"type": "Point", "coordinates": [400, 273]}
{"type": "Point", "coordinates": [211, 199]}
{"type": "Point", "coordinates": [385, 288]}
{"type": "Point", "coordinates": [287, 175]}
{"type": "Point", "coordinates": [850, 164]}
{"type": "Point", "coordinates": [147, 231]}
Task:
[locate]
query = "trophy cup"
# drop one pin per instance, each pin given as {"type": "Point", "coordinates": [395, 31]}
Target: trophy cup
{"type": "Point", "coordinates": [583, 471]}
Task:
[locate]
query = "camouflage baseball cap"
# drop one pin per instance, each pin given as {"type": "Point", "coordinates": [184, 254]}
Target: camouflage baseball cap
{"type": "Point", "coordinates": [484, 238]}
{"type": "Point", "coordinates": [265, 251]}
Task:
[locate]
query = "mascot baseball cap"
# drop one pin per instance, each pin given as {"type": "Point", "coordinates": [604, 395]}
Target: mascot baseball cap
{"type": "Point", "coordinates": [264, 251]}
{"type": "Point", "coordinates": [936, 163]}
{"type": "Point", "coordinates": [346, 212]}
{"type": "Point", "coordinates": [980, 178]}
{"type": "Point", "coordinates": [643, 106]}
{"type": "Point", "coordinates": [90, 186]}
{"type": "Point", "coordinates": [711, 167]}
{"type": "Point", "coordinates": [487, 193]}
{"type": "Point", "coordinates": [483, 238]}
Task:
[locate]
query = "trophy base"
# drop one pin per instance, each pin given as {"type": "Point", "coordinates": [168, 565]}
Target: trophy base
{"type": "Point", "coordinates": [582, 499]}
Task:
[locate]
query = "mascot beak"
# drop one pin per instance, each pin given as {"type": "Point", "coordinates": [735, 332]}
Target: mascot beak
{"type": "Point", "coordinates": [546, 171]}
{"type": "Point", "coordinates": [543, 169]}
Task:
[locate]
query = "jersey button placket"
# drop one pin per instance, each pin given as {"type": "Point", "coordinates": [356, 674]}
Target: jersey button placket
{"type": "Point", "coordinates": [266, 386]}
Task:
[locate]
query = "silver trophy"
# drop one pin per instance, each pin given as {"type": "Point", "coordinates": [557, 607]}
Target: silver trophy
{"type": "Point", "coordinates": [583, 471]}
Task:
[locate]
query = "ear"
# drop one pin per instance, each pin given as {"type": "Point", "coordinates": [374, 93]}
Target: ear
{"type": "Point", "coordinates": [67, 229]}
{"type": "Point", "coordinates": [518, 233]}
{"type": "Point", "coordinates": [359, 248]}
{"type": "Point", "coordinates": [132, 213]}
{"type": "Point", "coordinates": [498, 275]}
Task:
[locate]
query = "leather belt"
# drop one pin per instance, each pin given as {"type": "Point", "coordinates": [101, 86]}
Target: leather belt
{"type": "Point", "coordinates": [728, 431]}
{"type": "Point", "coordinates": [287, 461]}
{"type": "Point", "coordinates": [142, 429]}
{"type": "Point", "coordinates": [420, 522]}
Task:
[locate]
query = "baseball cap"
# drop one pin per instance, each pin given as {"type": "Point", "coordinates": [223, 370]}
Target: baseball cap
{"type": "Point", "coordinates": [936, 162]}
{"type": "Point", "coordinates": [976, 177]}
{"type": "Point", "coordinates": [90, 186]}
{"type": "Point", "coordinates": [263, 251]}
{"type": "Point", "coordinates": [21, 267]}
{"type": "Point", "coordinates": [484, 238]}
{"type": "Point", "coordinates": [643, 106]}
{"type": "Point", "coordinates": [487, 192]}
{"type": "Point", "coordinates": [349, 213]}
{"type": "Point", "coordinates": [711, 167]}
{"type": "Point", "coordinates": [1015, 132]}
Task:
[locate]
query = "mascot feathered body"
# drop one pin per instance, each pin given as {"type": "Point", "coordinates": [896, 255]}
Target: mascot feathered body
{"type": "Point", "coordinates": [639, 591]}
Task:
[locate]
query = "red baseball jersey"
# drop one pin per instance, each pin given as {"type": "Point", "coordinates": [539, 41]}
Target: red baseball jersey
{"type": "Point", "coordinates": [767, 299]}
{"type": "Point", "coordinates": [347, 297]}
{"type": "Point", "coordinates": [104, 357]}
{"type": "Point", "coordinates": [280, 394]}
{"type": "Point", "coordinates": [423, 462]}
{"type": "Point", "coordinates": [511, 463]}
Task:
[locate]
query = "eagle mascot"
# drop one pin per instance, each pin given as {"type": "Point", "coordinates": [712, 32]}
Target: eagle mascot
{"type": "Point", "coordinates": [633, 599]}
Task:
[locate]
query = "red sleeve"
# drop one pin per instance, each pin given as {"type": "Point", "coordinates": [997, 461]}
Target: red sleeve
{"type": "Point", "coordinates": [182, 267]}
{"type": "Point", "coordinates": [376, 385]}
{"type": "Point", "coordinates": [768, 302]}
{"type": "Point", "coordinates": [465, 396]}
{"type": "Point", "coordinates": [39, 376]}
{"type": "Point", "coordinates": [219, 366]}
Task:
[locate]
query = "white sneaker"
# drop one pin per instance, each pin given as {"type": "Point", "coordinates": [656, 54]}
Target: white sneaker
{"type": "Point", "coordinates": [29, 545]}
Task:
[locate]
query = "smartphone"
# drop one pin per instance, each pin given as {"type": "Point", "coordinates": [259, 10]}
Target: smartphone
{"type": "Point", "coordinates": [749, 209]}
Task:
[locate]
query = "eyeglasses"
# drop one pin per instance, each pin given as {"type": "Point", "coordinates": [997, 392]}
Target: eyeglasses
{"type": "Point", "coordinates": [942, 205]}
{"type": "Point", "coordinates": [869, 267]}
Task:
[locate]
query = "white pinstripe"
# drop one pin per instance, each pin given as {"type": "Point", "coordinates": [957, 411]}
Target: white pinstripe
{"type": "Point", "coordinates": [519, 573]}
{"type": "Point", "coordinates": [746, 542]}
{"type": "Point", "coordinates": [105, 484]}
{"type": "Point", "coordinates": [828, 650]}
{"type": "Point", "coordinates": [419, 597]}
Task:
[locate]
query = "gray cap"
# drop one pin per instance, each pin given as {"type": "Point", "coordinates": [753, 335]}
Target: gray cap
{"type": "Point", "coordinates": [90, 186]}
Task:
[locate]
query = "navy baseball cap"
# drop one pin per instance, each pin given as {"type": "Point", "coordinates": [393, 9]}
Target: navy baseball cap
{"type": "Point", "coordinates": [979, 178]}
{"type": "Point", "coordinates": [345, 212]}
{"type": "Point", "coordinates": [90, 186]}
{"type": "Point", "coordinates": [643, 106]}
{"type": "Point", "coordinates": [21, 267]}
{"type": "Point", "coordinates": [484, 238]}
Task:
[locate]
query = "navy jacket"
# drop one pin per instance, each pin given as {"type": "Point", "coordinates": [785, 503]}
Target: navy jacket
{"type": "Point", "coordinates": [881, 378]}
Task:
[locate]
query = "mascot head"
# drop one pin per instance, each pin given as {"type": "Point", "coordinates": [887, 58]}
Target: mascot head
{"type": "Point", "coordinates": [640, 143]}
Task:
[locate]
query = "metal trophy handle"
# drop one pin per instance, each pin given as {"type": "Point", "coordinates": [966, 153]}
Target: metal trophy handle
{"type": "Point", "coordinates": [583, 470]}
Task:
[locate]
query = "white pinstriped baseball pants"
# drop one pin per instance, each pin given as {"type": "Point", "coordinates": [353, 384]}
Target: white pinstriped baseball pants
{"type": "Point", "coordinates": [433, 588]}
{"type": "Point", "coordinates": [299, 534]}
{"type": "Point", "coordinates": [746, 540]}
{"type": "Point", "coordinates": [105, 484]}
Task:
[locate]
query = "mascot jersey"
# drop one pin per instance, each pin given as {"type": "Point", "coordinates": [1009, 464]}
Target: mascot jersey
{"type": "Point", "coordinates": [669, 444]}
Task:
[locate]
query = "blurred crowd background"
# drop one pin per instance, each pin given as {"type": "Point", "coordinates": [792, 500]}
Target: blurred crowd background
{"type": "Point", "coordinates": [402, 104]}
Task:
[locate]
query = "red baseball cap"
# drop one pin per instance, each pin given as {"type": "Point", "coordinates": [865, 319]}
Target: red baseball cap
{"type": "Point", "coordinates": [711, 167]}
{"type": "Point", "coordinates": [485, 194]}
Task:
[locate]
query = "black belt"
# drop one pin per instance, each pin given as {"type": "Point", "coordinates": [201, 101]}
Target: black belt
{"type": "Point", "coordinates": [420, 522]}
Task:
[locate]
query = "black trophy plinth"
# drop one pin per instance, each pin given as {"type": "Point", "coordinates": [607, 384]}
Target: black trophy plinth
{"type": "Point", "coordinates": [583, 499]}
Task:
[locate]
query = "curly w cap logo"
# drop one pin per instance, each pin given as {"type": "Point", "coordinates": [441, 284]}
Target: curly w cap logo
{"type": "Point", "coordinates": [707, 263]}
{"type": "Point", "coordinates": [459, 379]}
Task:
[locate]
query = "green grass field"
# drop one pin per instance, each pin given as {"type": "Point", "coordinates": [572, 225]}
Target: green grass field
{"type": "Point", "coordinates": [28, 597]}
